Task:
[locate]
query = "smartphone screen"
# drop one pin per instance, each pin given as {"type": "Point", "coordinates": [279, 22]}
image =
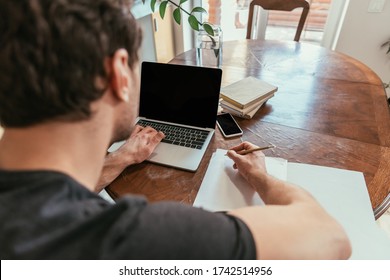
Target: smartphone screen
{"type": "Point", "coordinates": [228, 125]}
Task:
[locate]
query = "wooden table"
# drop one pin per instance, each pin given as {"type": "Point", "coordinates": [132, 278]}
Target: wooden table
{"type": "Point", "coordinates": [330, 110]}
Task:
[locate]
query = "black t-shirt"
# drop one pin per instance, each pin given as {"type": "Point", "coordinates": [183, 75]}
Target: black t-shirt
{"type": "Point", "coordinates": [48, 215]}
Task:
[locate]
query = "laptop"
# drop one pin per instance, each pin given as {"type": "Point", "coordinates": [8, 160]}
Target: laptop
{"type": "Point", "coordinates": [181, 101]}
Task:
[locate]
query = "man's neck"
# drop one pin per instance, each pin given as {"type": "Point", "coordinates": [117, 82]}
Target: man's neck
{"type": "Point", "coordinates": [76, 149]}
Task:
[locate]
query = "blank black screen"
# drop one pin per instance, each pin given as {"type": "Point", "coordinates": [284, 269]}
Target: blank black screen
{"type": "Point", "coordinates": [228, 124]}
{"type": "Point", "coordinates": [180, 93]}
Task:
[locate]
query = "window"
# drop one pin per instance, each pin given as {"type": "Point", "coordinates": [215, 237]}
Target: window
{"type": "Point", "coordinates": [232, 15]}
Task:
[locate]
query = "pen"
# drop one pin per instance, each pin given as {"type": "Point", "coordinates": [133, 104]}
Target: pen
{"type": "Point", "coordinates": [244, 152]}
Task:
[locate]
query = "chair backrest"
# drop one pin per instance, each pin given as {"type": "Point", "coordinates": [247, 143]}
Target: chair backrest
{"type": "Point", "coordinates": [280, 5]}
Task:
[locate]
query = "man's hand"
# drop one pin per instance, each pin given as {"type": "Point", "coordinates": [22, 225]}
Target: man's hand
{"type": "Point", "coordinates": [289, 211]}
{"type": "Point", "coordinates": [251, 166]}
{"type": "Point", "coordinates": [139, 146]}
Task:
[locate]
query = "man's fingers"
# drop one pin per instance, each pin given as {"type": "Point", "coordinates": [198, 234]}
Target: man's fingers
{"type": "Point", "coordinates": [243, 146]}
{"type": "Point", "coordinates": [232, 154]}
{"type": "Point", "coordinates": [161, 135]}
{"type": "Point", "coordinates": [147, 130]}
{"type": "Point", "coordinates": [137, 129]}
{"type": "Point", "coordinates": [238, 147]}
{"type": "Point", "coordinates": [151, 136]}
{"type": "Point", "coordinates": [156, 138]}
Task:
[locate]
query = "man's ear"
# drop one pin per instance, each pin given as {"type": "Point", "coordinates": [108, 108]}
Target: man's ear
{"type": "Point", "coordinates": [120, 80]}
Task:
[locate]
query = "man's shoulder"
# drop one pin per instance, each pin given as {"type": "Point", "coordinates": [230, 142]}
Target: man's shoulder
{"type": "Point", "coordinates": [57, 208]}
{"type": "Point", "coordinates": [19, 179]}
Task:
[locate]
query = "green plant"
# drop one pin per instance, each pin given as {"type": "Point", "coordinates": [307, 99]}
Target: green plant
{"type": "Point", "coordinates": [387, 85]}
{"type": "Point", "coordinates": [177, 14]}
{"type": "Point", "coordinates": [386, 45]}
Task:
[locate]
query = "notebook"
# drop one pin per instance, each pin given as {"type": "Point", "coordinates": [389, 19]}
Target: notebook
{"type": "Point", "coordinates": [186, 99]}
{"type": "Point", "coordinates": [248, 91]}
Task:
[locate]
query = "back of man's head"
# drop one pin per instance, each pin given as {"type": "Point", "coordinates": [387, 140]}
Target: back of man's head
{"type": "Point", "coordinates": [52, 53]}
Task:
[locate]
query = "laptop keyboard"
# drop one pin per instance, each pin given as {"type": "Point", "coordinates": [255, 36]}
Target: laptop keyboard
{"type": "Point", "coordinates": [176, 135]}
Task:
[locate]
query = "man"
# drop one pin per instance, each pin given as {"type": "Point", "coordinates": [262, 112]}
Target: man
{"type": "Point", "coordinates": [69, 86]}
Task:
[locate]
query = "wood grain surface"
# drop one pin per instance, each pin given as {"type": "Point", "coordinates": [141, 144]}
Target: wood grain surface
{"type": "Point", "coordinates": [330, 110]}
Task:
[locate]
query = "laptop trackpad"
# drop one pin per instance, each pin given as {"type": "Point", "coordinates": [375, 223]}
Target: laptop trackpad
{"type": "Point", "coordinates": [177, 156]}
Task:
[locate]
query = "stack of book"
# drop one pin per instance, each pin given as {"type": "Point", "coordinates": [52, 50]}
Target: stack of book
{"type": "Point", "coordinates": [245, 97]}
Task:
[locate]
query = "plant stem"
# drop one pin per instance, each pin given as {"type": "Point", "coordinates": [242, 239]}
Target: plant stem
{"type": "Point", "coordinates": [173, 3]}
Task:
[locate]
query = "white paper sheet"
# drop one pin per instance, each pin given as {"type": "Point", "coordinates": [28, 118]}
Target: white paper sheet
{"type": "Point", "coordinates": [224, 189]}
{"type": "Point", "coordinates": [342, 193]}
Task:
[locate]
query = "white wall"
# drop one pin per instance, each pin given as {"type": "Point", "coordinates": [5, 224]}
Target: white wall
{"type": "Point", "coordinates": [143, 14]}
{"type": "Point", "coordinates": [151, 49]}
{"type": "Point", "coordinates": [362, 34]}
{"type": "Point", "coordinates": [148, 48]}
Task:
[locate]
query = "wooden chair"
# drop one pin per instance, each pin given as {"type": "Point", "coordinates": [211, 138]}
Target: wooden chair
{"type": "Point", "coordinates": [280, 5]}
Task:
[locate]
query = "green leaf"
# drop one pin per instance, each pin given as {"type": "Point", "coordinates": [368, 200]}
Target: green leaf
{"type": "Point", "coordinates": [198, 10]}
{"type": "Point", "coordinates": [216, 52]}
{"type": "Point", "coordinates": [152, 4]}
{"type": "Point", "coordinates": [182, 1]}
{"type": "Point", "coordinates": [193, 22]}
{"type": "Point", "coordinates": [163, 8]}
{"type": "Point", "coordinates": [208, 28]}
{"type": "Point", "coordinates": [387, 45]}
{"type": "Point", "coordinates": [177, 15]}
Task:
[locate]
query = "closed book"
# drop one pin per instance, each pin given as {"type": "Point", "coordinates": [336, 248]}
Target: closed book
{"type": "Point", "coordinates": [245, 110]}
{"type": "Point", "coordinates": [247, 92]}
{"type": "Point", "coordinates": [247, 115]}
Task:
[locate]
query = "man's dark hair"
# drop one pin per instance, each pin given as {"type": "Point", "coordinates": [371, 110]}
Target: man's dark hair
{"type": "Point", "coordinates": [52, 53]}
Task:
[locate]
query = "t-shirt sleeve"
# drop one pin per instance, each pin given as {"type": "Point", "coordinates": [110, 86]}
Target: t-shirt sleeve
{"type": "Point", "coordinates": [169, 230]}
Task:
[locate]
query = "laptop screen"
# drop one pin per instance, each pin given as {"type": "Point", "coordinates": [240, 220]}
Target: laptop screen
{"type": "Point", "coordinates": [180, 94]}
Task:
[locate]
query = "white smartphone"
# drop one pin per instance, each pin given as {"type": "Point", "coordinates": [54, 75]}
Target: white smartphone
{"type": "Point", "coordinates": [228, 126]}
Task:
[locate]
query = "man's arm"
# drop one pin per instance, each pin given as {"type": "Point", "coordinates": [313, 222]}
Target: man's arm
{"type": "Point", "coordinates": [136, 149]}
{"type": "Point", "coordinates": [292, 225]}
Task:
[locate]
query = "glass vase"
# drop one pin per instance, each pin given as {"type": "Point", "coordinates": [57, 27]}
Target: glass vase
{"type": "Point", "coordinates": [209, 48]}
